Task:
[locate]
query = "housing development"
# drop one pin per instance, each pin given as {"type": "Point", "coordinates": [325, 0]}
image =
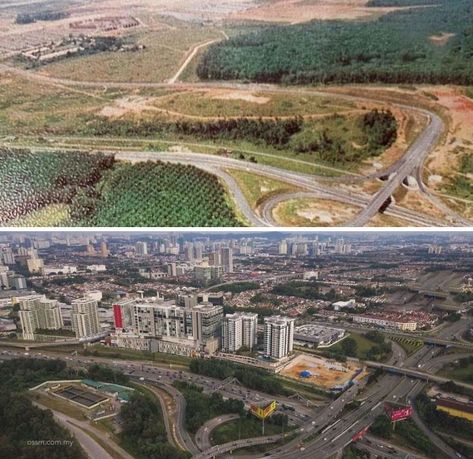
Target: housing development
{"type": "Point", "coordinates": [316, 344]}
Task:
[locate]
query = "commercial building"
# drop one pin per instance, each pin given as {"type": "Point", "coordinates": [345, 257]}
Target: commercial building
{"type": "Point", "coordinates": [239, 330]}
{"type": "Point", "coordinates": [39, 313]}
{"type": "Point", "coordinates": [386, 322]}
{"type": "Point", "coordinates": [278, 336]}
{"type": "Point", "coordinates": [85, 317]}
{"type": "Point", "coordinates": [317, 335]}
{"type": "Point", "coordinates": [186, 329]}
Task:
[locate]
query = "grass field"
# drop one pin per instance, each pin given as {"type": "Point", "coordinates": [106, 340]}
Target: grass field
{"type": "Point", "coordinates": [258, 188]}
{"type": "Point", "coordinates": [164, 51]}
{"type": "Point", "coordinates": [464, 374]}
{"type": "Point", "coordinates": [363, 345]}
{"type": "Point", "coordinates": [246, 427]}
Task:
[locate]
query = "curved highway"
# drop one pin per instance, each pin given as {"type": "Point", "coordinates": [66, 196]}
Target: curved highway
{"type": "Point", "coordinates": [411, 161]}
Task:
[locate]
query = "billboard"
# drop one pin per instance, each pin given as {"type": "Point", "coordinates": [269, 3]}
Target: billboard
{"type": "Point", "coordinates": [360, 434]}
{"type": "Point", "coordinates": [398, 413]}
{"type": "Point", "coordinates": [264, 412]}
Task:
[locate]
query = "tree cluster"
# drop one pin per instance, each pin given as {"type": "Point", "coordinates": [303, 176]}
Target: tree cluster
{"type": "Point", "coordinates": [396, 48]}
{"type": "Point", "coordinates": [201, 407]}
{"type": "Point", "coordinates": [253, 378]}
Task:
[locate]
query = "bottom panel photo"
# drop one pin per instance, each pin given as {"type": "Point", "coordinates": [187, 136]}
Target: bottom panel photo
{"type": "Point", "coordinates": [249, 344]}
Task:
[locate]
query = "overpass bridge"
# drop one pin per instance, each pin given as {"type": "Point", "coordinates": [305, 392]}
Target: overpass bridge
{"type": "Point", "coordinates": [416, 374]}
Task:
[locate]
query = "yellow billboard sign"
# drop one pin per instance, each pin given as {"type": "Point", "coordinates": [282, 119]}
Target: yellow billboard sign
{"type": "Point", "coordinates": [264, 412]}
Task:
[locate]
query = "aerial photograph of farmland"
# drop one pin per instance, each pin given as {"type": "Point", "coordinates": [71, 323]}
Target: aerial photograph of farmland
{"type": "Point", "coordinates": [229, 113]}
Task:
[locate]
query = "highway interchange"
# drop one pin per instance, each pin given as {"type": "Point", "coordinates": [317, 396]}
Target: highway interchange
{"type": "Point", "coordinates": [410, 164]}
{"type": "Point", "coordinates": [323, 428]}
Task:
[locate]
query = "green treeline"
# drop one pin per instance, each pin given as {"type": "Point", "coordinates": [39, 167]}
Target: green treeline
{"type": "Point", "coordinates": [237, 287]}
{"type": "Point", "coordinates": [407, 430]}
{"type": "Point", "coordinates": [378, 130]}
{"type": "Point", "coordinates": [22, 424]}
{"type": "Point", "coordinates": [31, 181]}
{"type": "Point", "coordinates": [396, 48]}
{"type": "Point", "coordinates": [275, 132]}
{"type": "Point", "coordinates": [201, 407]}
{"type": "Point", "coordinates": [28, 18]}
{"type": "Point", "coordinates": [252, 378]}
{"type": "Point", "coordinates": [302, 289]}
{"type": "Point", "coordinates": [143, 430]}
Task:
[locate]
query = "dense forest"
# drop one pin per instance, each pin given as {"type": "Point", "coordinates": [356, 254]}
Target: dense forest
{"type": "Point", "coordinates": [21, 423]}
{"type": "Point", "coordinates": [405, 46]}
{"type": "Point", "coordinates": [143, 430]}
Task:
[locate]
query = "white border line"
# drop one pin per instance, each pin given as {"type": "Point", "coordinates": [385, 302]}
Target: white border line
{"type": "Point", "coordinates": [204, 229]}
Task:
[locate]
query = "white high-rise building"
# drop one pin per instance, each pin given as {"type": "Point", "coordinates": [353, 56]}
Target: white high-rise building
{"type": "Point", "coordinates": [278, 336]}
{"type": "Point", "coordinates": [141, 248]}
{"type": "Point", "coordinates": [282, 247]}
{"type": "Point", "coordinates": [85, 317]}
{"type": "Point", "coordinates": [39, 313]}
{"type": "Point", "coordinates": [239, 330]}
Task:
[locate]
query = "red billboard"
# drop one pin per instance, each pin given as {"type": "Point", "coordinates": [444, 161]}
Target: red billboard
{"type": "Point", "coordinates": [117, 316]}
{"type": "Point", "coordinates": [398, 414]}
{"type": "Point", "coordinates": [360, 434]}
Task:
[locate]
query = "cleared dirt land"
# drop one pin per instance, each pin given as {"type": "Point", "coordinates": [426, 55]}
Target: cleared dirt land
{"type": "Point", "coordinates": [324, 373]}
{"type": "Point", "coordinates": [296, 11]}
{"type": "Point", "coordinates": [313, 212]}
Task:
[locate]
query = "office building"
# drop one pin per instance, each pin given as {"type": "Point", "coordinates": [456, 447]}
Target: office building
{"type": "Point", "coordinates": [278, 336]}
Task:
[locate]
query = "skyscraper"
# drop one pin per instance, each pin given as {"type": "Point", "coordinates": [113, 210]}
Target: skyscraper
{"type": "Point", "coordinates": [278, 336]}
{"type": "Point", "coordinates": [227, 259]}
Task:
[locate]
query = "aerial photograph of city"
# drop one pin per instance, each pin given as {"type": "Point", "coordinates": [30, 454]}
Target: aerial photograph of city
{"type": "Point", "coordinates": [236, 229]}
{"type": "Point", "coordinates": [211, 344]}
{"type": "Point", "coordinates": [231, 113]}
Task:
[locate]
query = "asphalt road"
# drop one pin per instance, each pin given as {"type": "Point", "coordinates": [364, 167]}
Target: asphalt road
{"type": "Point", "coordinates": [411, 162]}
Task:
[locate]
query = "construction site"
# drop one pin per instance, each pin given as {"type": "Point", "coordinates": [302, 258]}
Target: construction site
{"type": "Point", "coordinates": [324, 373]}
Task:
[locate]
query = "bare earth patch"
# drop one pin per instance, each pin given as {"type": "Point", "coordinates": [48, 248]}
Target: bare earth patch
{"type": "Point", "coordinates": [313, 212]}
{"type": "Point", "coordinates": [441, 39]}
{"type": "Point", "coordinates": [241, 95]}
{"type": "Point", "coordinates": [459, 108]}
{"type": "Point", "coordinates": [127, 105]}
{"type": "Point", "coordinates": [297, 11]}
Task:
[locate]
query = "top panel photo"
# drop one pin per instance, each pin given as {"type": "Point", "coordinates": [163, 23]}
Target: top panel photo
{"type": "Point", "coordinates": [192, 113]}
